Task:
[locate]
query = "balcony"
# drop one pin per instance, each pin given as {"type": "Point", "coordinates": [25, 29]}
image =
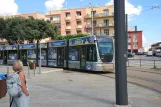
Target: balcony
{"type": "Point", "coordinates": [78, 17]}
{"type": "Point", "coordinates": [79, 27]}
{"type": "Point", "coordinates": [55, 21]}
{"type": "Point", "coordinates": [100, 25]}
{"type": "Point", "coordinates": [67, 18]}
{"type": "Point", "coordinates": [99, 15]}
{"type": "Point", "coordinates": [68, 28]}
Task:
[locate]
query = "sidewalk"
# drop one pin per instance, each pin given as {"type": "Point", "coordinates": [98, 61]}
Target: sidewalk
{"type": "Point", "coordinates": [75, 89]}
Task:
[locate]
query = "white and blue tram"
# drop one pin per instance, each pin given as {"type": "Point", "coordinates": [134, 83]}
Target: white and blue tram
{"type": "Point", "coordinates": [91, 53]}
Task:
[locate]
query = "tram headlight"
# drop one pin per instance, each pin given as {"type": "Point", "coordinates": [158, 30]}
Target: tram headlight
{"type": "Point", "coordinates": [89, 67]}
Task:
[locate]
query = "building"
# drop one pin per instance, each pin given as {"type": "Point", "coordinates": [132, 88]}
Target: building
{"type": "Point", "coordinates": [156, 46]}
{"type": "Point", "coordinates": [54, 17]}
{"type": "Point", "coordinates": [103, 20]}
{"type": "Point", "coordinates": [33, 15]}
{"type": "Point", "coordinates": [75, 21]}
{"type": "Point", "coordinates": [134, 41]}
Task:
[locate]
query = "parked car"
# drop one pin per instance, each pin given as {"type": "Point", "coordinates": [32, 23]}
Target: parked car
{"type": "Point", "coordinates": [149, 53]}
{"type": "Point", "coordinates": [129, 54]}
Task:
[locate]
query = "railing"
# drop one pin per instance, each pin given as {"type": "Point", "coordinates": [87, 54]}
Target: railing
{"type": "Point", "coordinates": [144, 63]}
{"type": "Point", "coordinates": [100, 25]}
{"type": "Point", "coordinates": [99, 15]}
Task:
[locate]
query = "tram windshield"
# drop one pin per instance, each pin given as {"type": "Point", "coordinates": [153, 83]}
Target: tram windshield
{"type": "Point", "coordinates": [105, 48]}
{"type": "Point", "coordinates": [106, 51]}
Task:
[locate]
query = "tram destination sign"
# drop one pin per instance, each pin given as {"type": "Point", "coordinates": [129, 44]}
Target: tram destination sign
{"type": "Point", "coordinates": [57, 43]}
{"type": "Point", "coordinates": [8, 47]}
{"type": "Point", "coordinates": [27, 46]}
{"type": "Point", "coordinates": [82, 41]}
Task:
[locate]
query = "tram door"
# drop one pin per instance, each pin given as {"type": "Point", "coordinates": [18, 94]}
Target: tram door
{"type": "Point", "coordinates": [60, 56]}
{"type": "Point", "coordinates": [83, 57]}
{"type": "Point", "coordinates": [24, 56]}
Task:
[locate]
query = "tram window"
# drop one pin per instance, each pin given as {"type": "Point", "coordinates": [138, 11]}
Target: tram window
{"type": "Point", "coordinates": [12, 55]}
{"type": "Point", "coordinates": [1, 55]}
{"type": "Point", "coordinates": [73, 54]}
{"type": "Point", "coordinates": [52, 53]}
{"type": "Point", "coordinates": [92, 55]}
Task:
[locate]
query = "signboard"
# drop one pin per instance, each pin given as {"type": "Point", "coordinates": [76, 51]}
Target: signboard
{"type": "Point", "coordinates": [57, 43]}
{"type": "Point", "coordinates": [43, 45]}
{"type": "Point", "coordinates": [27, 46]}
{"type": "Point", "coordinates": [81, 41]}
{"type": "Point", "coordinates": [8, 47]}
{"type": "Point", "coordinates": [52, 63]}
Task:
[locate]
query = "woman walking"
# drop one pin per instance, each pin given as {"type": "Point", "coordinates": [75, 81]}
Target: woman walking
{"type": "Point", "coordinates": [23, 100]}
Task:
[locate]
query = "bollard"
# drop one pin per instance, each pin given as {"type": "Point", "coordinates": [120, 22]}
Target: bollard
{"type": "Point", "coordinates": [34, 70]}
{"type": "Point", "coordinates": [140, 62]}
{"type": "Point", "coordinates": [28, 69]}
{"type": "Point", "coordinates": [154, 63]}
{"type": "Point", "coordinates": [7, 70]}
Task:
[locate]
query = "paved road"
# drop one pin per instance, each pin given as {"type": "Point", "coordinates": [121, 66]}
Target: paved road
{"type": "Point", "coordinates": [143, 77]}
{"type": "Point", "coordinates": [76, 89]}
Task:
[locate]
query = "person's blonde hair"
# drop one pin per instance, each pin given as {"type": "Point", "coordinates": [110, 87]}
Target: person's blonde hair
{"type": "Point", "coordinates": [17, 66]}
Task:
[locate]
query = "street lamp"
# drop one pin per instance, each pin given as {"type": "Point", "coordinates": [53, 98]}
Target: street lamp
{"type": "Point", "coordinates": [40, 59]}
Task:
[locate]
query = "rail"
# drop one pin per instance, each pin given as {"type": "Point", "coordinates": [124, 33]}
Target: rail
{"type": "Point", "coordinates": [145, 63]}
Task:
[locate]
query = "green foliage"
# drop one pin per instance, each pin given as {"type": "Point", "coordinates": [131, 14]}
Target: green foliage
{"type": "Point", "coordinates": [70, 36]}
{"type": "Point", "coordinates": [18, 29]}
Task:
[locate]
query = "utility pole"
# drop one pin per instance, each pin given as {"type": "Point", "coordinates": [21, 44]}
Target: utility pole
{"type": "Point", "coordinates": [92, 21]}
{"type": "Point", "coordinates": [120, 53]}
{"type": "Point", "coordinates": [126, 32]}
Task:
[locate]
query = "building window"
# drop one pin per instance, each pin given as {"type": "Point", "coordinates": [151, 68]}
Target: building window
{"type": "Point", "coordinates": [55, 18]}
{"type": "Point", "coordinates": [105, 12]}
{"type": "Point", "coordinates": [51, 18]}
{"type": "Point", "coordinates": [67, 14]}
{"type": "Point", "coordinates": [94, 23]}
{"type": "Point", "coordinates": [129, 44]}
{"type": "Point", "coordinates": [106, 22]}
{"type": "Point", "coordinates": [106, 32]}
{"type": "Point", "coordinates": [78, 13]}
{"type": "Point", "coordinates": [67, 23]}
{"type": "Point", "coordinates": [78, 22]}
{"type": "Point", "coordinates": [94, 13]}
{"type": "Point", "coordinates": [88, 31]}
{"type": "Point", "coordinates": [135, 38]}
{"type": "Point", "coordinates": [79, 32]}
{"type": "Point", "coordinates": [68, 32]}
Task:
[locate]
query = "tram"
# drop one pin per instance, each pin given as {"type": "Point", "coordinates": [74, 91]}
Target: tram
{"type": "Point", "coordinates": [91, 53]}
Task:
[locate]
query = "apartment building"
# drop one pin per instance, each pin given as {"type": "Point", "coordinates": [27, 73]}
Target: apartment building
{"type": "Point", "coordinates": [33, 15]}
{"type": "Point", "coordinates": [134, 41]}
{"type": "Point", "coordinates": [75, 21]}
{"type": "Point", "coordinates": [103, 20]}
{"type": "Point", "coordinates": [55, 17]}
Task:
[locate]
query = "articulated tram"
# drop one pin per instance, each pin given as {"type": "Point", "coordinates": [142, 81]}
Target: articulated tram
{"type": "Point", "coordinates": [91, 53]}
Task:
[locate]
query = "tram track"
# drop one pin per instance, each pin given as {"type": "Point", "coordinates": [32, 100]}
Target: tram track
{"type": "Point", "coordinates": [151, 84]}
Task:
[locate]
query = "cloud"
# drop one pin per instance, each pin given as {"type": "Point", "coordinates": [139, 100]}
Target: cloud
{"type": "Point", "coordinates": [145, 41]}
{"type": "Point", "coordinates": [54, 4]}
{"type": "Point", "coordinates": [130, 9]}
{"type": "Point", "coordinates": [8, 7]}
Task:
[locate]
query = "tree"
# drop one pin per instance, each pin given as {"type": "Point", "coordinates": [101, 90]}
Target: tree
{"type": "Point", "coordinates": [14, 30]}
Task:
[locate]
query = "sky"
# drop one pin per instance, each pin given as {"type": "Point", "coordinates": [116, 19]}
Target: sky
{"type": "Point", "coordinates": [140, 12]}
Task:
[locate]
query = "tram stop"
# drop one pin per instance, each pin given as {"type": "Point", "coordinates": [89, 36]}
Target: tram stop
{"type": "Point", "coordinates": [3, 86]}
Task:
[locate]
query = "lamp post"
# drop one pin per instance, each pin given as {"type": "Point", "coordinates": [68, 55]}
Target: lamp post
{"type": "Point", "coordinates": [120, 53]}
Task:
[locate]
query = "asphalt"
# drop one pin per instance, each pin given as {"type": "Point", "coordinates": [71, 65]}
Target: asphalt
{"type": "Point", "coordinates": [59, 88]}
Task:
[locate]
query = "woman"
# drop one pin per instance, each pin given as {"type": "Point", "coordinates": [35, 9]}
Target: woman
{"type": "Point", "coordinates": [23, 100]}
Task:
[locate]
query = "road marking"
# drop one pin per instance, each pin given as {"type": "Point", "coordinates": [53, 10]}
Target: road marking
{"type": "Point", "coordinates": [45, 72]}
